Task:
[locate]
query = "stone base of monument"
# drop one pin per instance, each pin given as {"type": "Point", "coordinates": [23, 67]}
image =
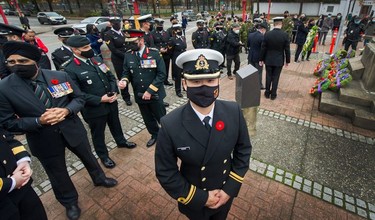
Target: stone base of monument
{"type": "Point", "coordinates": [357, 100]}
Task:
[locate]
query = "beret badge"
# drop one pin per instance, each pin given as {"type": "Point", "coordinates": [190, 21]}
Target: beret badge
{"type": "Point", "coordinates": [201, 63]}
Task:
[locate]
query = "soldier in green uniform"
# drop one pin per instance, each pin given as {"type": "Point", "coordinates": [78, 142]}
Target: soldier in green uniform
{"type": "Point", "coordinates": [98, 84]}
{"type": "Point", "coordinates": [229, 23]}
{"type": "Point", "coordinates": [244, 32]}
{"type": "Point", "coordinates": [288, 24]}
{"type": "Point", "coordinates": [144, 68]}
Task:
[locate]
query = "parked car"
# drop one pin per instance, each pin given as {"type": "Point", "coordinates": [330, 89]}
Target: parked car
{"type": "Point", "coordinates": [8, 11]}
{"type": "Point", "coordinates": [99, 22]}
{"type": "Point", "coordinates": [51, 18]}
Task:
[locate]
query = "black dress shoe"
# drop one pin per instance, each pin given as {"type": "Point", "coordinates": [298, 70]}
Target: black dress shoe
{"type": "Point", "coordinates": [73, 212]}
{"type": "Point", "coordinates": [108, 162]}
{"type": "Point", "coordinates": [166, 104]}
{"type": "Point", "coordinates": [167, 83]}
{"type": "Point", "coordinates": [128, 103]}
{"type": "Point", "coordinates": [108, 183]}
{"type": "Point", "coordinates": [267, 95]}
{"type": "Point", "coordinates": [127, 144]}
{"type": "Point", "coordinates": [180, 95]}
{"type": "Point", "coordinates": [273, 97]}
{"type": "Point", "coordinates": [151, 142]}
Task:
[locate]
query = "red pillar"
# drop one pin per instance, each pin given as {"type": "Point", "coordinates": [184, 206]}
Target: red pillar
{"type": "Point", "coordinates": [244, 10]}
{"type": "Point", "coordinates": [3, 15]}
{"type": "Point", "coordinates": [269, 10]}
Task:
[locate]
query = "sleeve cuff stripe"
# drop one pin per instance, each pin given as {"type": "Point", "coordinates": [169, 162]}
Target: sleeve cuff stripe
{"type": "Point", "coordinates": [189, 197]}
{"type": "Point", "coordinates": [19, 149]}
{"type": "Point", "coordinates": [236, 177]}
{"type": "Point", "coordinates": [154, 88]}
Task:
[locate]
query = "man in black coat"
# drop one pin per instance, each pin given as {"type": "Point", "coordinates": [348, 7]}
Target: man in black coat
{"type": "Point", "coordinates": [115, 40]}
{"type": "Point", "coordinates": [353, 34]}
{"type": "Point", "coordinates": [218, 39]}
{"type": "Point", "coordinates": [302, 32]}
{"type": "Point", "coordinates": [144, 69]}
{"type": "Point", "coordinates": [200, 37]}
{"type": "Point", "coordinates": [99, 87]}
{"type": "Point", "coordinates": [18, 199]}
{"type": "Point", "coordinates": [44, 105]}
{"type": "Point", "coordinates": [146, 23]}
{"type": "Point", "coordinates": [275, 53]}
{"type": "Point", "coordinates": [209, 137]}
{"type": "Point", "coordinates": [233, 45]}
{"type": "Point", "coordinates": [254, 42]}
{"type": "Point", "coordinates": [63, 53]}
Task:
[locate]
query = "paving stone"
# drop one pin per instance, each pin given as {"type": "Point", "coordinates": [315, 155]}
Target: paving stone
{"type": "Point", "coordinates": [307, 182]}
{"type": "Point", "coordinates": [289, 175]}
{"type": "Point", "coordinates": [325, 128]}
{"type": "Point", "coordinates": [266, 112]}
{"type": "Point", "coordinates": [338, 202]}
{"type": "Point", "coordinates": [262, 165]}
{"type": "Point", "coordinates": [371, 207]}
{"type": "Point", "coordinates": [298, 179]}
{"type": "Point", "coordinates": [282, 117]}
{"type": "Point", "coordinates": [261, 111]}
{"type": "Point", "coordinates": [280, 171]}
{"type": "Point", "coordinates": [327, 197]}
{"type": "Point", "coordinates": [37, 190]}
{"type": "Point", "coordinates": [355, 137]}
{"type": "Point", "coordinates": [45, 183]}
{"type": "Point", "coordinates": [269, 174]}
{"type": "Point", "coordinates": [319, 127]}
{"type": "Point", "coordinates": [306, 189]}
{"type": "Point", "coordinates": [362, 139]}
{"type": "Point", "coordinates": [349, 199]}
{"type": "Point", "coordinates": [338, 194]}
{"type": "Point", "coordinates": [312, 126]}
{"type": "Point", "coordinates": [317, 193]}
{"type": "Point", "coordinates": [327, 190]}
{"type": "Point", "coordinates": [261, 170]}
{"type": "Point", "coordinates": [372, 216]}
{"type": "Point", "coordinates": [288, 182]}
{"type": "Point", "coordinates": [136, 129]}
{"type": "Point", "coordinates": [253, 167]}
{"type": "Point", "coordinates": [297, 185]}
{"type": "Point", "coordinates": [306, 124]}
{"type": "Point", "coordinates": [279, 178]}
{"type": "Point", "coordinates": [362, 212]}
{"type": "Point", "coordinates": [271, 114]}
{"type": "Point", "coordinates": [71, 173]}
{"type": "Point", "coordinates": [288, 119]}
{"type": "Point", "coordinates": [47, 188]}
{"type": "Point", "coordinates": [80, 167]}
{"type": "Point", "coordinates": [349, 207]}
{"type": "Point", "coordinates": [370, 141]}
{"type": "Point", "coordinates": [332, 130]}
{"type": "Point", "coordinates": [271, 168]}
{"type": "Point", "coordinates": [294, 120]}
{"type": "Point", "coordinates": [361, 203]}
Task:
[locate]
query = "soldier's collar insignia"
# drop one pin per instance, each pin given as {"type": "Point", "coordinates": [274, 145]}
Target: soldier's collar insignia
{"type": "Point", "coordinates": [201, 63]}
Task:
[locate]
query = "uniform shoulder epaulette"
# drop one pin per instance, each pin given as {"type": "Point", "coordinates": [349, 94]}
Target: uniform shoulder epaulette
{"type": "Point", "coordinates": [66, 63]}
{"type": "Point", "coordinates": [128, 51]}
{"type": "Point", "coordinates": [154, 49]}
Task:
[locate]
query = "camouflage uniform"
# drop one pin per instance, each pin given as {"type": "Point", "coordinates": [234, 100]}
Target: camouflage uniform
{"type": "Point", "coordinates": [244, 32]}
{"type": "Point", "coordinates": [288, 25]}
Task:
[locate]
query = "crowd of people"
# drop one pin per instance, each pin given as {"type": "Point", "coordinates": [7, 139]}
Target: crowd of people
{"type": "Point", "coordinates": [43, 103]}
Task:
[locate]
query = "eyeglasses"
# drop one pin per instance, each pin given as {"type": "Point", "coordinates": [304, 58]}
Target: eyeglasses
{"type": "Point", "coordinates": [19, 61]}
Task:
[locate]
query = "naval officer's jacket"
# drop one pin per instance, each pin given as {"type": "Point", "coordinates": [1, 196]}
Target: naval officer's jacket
{"type": "Point", "coordinates": [216, 161]}
{"type": "Point", "coordinates": [146, 73]}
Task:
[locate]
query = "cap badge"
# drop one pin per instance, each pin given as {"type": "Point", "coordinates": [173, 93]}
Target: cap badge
{"type": "Point", "coordinates": [201, 63]}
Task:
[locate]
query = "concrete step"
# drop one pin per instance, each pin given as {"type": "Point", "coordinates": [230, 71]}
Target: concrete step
{"type": "Point", "coordinates": [356, 67]}
{"type": "Point", "coordinates": [354, 93]}
{"type": "Point", "coordinates": [361, 116]}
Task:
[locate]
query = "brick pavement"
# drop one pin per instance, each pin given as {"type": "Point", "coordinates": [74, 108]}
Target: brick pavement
{"type": "Point", "coordinates": [139, 195]}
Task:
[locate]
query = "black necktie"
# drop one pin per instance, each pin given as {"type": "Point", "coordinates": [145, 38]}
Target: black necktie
{"type": "Point", "coordinates": [138, 54]}
{"type": "Point", "coordinates": [41, 94]}
{"type": "Point", "coordinates": [206, 122]}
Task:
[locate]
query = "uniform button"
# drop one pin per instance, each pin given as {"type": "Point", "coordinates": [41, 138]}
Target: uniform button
{"type": "Point", "coordinates": [224, 182]}
{"type": "Point", "coordinates": [140, 73]}
{"type": "Point", "coordinates": [142, 86]}
{"type": "Point", "coordinates": [225, 161]}
{"type": "Point", "coordinates": [204, 179]}
{"type": "Point", "coordinates": [203, 168]}
{"type": "Point", "coordinates": [224, 171]}
{"type": "Point", "coordinates": [8, 176]}
{"type": "Point", "coordinates": [141, 80]}
{"type": "Point", "coordinates": [205, 189]}
{"type": "Point", "coordinates": [4, 162]}
{"type": "Point", "coordinates": [4, 136]}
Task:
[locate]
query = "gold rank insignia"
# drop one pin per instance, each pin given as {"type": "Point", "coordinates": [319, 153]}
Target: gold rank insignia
{"type": "Point", "coordinates": [201, 63]}
{"type": "Point", "coordinates": [107, 42]}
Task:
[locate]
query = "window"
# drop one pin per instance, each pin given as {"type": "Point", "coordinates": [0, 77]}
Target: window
{"type": "Point", "coordinates": [330, 8]}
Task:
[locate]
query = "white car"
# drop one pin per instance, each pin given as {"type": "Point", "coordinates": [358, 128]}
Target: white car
{"type": "Point", "coordinates": [50, 18]}
{"type": "Point", "coordinates": [99, 22]}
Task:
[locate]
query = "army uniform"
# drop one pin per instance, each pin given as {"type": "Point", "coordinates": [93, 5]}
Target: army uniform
{"type": "Point", "coordinates": [116, 44]}
{"type": "Point", "coordinates": [200, 38]}
{"type": "Point", "coordinates": [177, 45]}
{"type": "Point", "coordinates": [218, 40]}
{"type": "Point", "coordinates": [95, 80]}
{"type": "Point", "coordinates": [288, 25]}
{"type": "Point", "coordinates": [244, 30]}
{"type": "Point", "coordinates": [146, 72]}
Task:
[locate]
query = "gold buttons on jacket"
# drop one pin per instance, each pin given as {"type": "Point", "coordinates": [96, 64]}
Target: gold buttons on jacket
{"type": "Point", "coordinates": [224, 171]}
{"type": "Point", "coordinates": [225, 161]}
{"type": "Point", "coordinates": [203, 168]}
{"type": "Point", "coordinates": [4, 162]}
{"type": "Point", "coordinates": [204, 179]}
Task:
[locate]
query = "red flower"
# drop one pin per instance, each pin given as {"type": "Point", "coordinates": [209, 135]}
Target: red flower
{"type": "Point", "coordinates": [54, 81]}
{"type": "Point", "coordinates": [144, 56]}
{"type": "Point", "coordinates": [219, 125]}
{"type": "Point", "coordinates": [76, 61]}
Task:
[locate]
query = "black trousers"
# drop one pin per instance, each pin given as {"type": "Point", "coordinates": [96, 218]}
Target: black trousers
{"type": "Point", "coordinates": [22, 204]}
{"type": "Point", "coordinates": [97, 129]}
{"type": "Point", "coordinates": [118, 65]}
{"type": "Point", "coordinates": [322, 37]}
{"type": "Point", "coordinates": [237, 62]}
{"type": "Point", "coordinates": [55, 167]}
{"type": "Point", "coordinates": [272, 78]}
{"type": "Point", "coordinates": [176, 72]}
{"type": "Point", "coordinates": [294, 34]}
{"type": "Point", "coordinates": [298, 52]}
{"type": "Point", "coordinates": [167, 62]}
{"type": "Point", "coordinates": [352, 43]}
{"type": "Point", "coordinates": [151, 114]}
{"type": "Point", "coordinates": [210, 214]}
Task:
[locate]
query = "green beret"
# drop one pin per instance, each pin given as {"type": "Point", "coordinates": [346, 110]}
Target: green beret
{"type": "Point", "coordinates": [77, 41]}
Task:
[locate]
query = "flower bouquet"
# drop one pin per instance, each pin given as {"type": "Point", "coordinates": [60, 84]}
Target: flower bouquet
{"type": "Point", "coordinates": [341, 79]}
{"type": "Point", "coordinates": [309, 43]}
{"type": "Point", "coordinates": [320, 85]}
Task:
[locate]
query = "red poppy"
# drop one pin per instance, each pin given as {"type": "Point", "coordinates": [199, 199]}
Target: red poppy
{"type": "Point", "coordinates": [144, 56]}
{"type": "Point", "coordinates": [219, 125]}
{"type": "Point", "coordinates": [76, 61]}
{"type": "Point", "coordinates": [54, 81]}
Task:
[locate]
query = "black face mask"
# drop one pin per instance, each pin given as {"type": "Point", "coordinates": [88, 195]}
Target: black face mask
{"type": "Point", "coordinates": [203, 96]}
{"type": "Point", "coordinates": [88, 54]}
{"type": "Point", "coordinates": [200, 28]}
{"type": "Point", "coordinates": [179, 33]}
{"type": "Point", "coordinates": [159, 28]}
{"type": "Point", "coordinates": [116, 26]}
{"type": "Point", "coordinates": [24, 71]}
{"type": "Point", "coordinates": [219, 29]}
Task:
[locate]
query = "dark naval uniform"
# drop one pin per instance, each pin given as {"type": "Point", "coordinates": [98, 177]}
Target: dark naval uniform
{"type": "Point", "coordinates": [22, 203]}
{"type": "Point", "coordinates": [95, 80]}
{"type": "Point", "coordinates": [146, 72]}
{"type": "Point", "coordinates": [218, 40]}
{"type": "Point", "coordinates": [149, 40]}
{"type": "Point", "coordinates": [116, 44]}
{"type": "Point", "coordinates": [161, 39]}
{"type": "Point", "coordinates": [177, 46]}
{"type": "Point", "coordinates": [60, 56]}
{"type": "Point", "coordinates": [200, 39]}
